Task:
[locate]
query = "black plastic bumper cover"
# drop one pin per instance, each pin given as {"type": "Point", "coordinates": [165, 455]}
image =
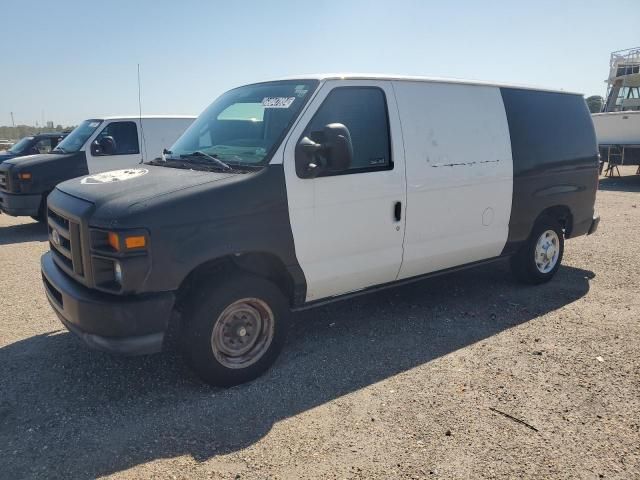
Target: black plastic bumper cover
{"type": "Point", "coordinates": [133, 325]}
{"type": "Point", "coordinates": [20, 205]}
{"type": "Point", "coordinates": [594, 225]}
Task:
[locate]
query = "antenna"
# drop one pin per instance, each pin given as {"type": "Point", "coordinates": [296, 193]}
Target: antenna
{"type": "Point", "coordinates": [144, 142]}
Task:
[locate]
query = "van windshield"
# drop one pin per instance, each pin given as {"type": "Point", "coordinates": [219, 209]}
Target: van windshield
{"type": "Point", "coordinates": [245, 125]}
{"type": "Point", "coordinates": [21, 145]}
{"type": "Point", "coordinates": [77, 138]}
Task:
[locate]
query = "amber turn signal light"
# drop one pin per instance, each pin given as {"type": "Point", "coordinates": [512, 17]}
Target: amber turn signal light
{"type": "Point", "coordinates": [138, 241]}
{"type": "Point", "coordinates": [24, 176]}
{"type": "Point", "coordinates": [131, 242]}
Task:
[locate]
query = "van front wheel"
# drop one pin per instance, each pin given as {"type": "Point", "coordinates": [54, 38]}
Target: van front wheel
{"type": "Point", "coordinates": [539, 258]}
{"type": "Point", "coordinates": [234, 330]}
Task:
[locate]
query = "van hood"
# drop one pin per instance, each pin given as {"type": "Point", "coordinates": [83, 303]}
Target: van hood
{"type": "Point", "coordinates": [32, 160]}
{"type": "Point", "coordinates": [4, 156]}
{"type": "Point", "coordinates": [120, 189]}
{"type": "Point", "coordinates": [47, 169]}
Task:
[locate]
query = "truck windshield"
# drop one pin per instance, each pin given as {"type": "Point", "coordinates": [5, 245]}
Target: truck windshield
{"type": "Point", "coordinates": [77, 138]}
{"type": "Point", "coordinates": [245, 125]}
{"type": "Point", "coordinates": [21, 145]}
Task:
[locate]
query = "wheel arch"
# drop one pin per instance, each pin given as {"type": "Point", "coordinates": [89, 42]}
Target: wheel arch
{"type": "Point", "coordinates": [262, 264]}
{"type": "Point", "coordinates": [562, 214]}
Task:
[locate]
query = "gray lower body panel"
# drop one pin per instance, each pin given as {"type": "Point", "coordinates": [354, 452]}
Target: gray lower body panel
{"type": "Point", "coordinates": [20, 205]}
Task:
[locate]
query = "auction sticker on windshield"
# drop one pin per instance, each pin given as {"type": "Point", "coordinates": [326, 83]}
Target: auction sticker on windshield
{"type": "Point", "coordinates": [114, 176]}
{"type": "Point", "coordinates": [277, 102]}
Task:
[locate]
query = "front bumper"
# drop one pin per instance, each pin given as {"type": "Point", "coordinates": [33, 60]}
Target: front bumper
{"type": "Point", "coordinates": [128, 325]}
{"type": "Point", "coordinates": [19, 205]}
{"type": "Point", "coordinates": [594, 225]}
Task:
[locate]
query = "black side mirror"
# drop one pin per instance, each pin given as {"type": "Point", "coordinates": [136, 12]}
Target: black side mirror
{"type": "Point", "coordinates": [105, 146]}
{"type": "Point", "coordinates": [327, 151]}
{"type": "Point", "coordinates": [108, 145]}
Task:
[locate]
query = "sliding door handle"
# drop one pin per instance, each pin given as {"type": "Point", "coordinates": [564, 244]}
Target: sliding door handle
{"type": "Point", "coordinates": [397, 211]}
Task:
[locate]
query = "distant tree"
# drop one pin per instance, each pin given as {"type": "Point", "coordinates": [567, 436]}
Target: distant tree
{"type": "Point", "coordinates": [595, 103]}
{"type": "Point", "coordinates": [19, 131]}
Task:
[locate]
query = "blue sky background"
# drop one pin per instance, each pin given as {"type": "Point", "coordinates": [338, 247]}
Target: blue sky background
{"type": "Point", "coordinates": [77, 59]}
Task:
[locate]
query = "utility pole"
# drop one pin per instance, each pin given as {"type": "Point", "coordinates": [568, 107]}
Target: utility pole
{"type": "Point", "coordinates": [13, 124]}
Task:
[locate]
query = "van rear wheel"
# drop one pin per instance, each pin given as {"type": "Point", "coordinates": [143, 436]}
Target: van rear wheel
{"type": "Point", "coordinates": [234, 330]}
{"type": "Point", "coordinates": [539, 258]}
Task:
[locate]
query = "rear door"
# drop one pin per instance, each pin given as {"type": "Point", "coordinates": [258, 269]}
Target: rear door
{"type": "Point", "coordinates": [348, 227]}
{"type": "Point", "coordinates": [127, 147]}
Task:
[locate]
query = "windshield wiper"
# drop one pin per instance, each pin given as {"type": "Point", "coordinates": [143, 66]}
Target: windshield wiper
{"type": "Point", "coordinates": [199, 153]}
{"type": "Point", "coordinates": [185, 164]}
{"type": "Point", "coordinates": [59, 149]}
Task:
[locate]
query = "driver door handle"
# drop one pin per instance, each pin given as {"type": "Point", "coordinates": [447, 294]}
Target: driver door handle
{"type": "Point", "coordinates": [397, 211]}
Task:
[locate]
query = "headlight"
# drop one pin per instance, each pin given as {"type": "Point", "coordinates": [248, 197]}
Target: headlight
{"type": "Point", "coordinates": [117, 272]}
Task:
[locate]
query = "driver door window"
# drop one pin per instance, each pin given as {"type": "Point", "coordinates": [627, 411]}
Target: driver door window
{"type": "Point", "coordinates": [363, 110]}
{"type": "Point", "coordinates": [125, 139]}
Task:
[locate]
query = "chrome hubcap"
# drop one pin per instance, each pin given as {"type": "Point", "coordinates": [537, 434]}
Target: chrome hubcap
{"type": "Point", "coordinates": [547, 251]}
{"type": "Point", "coordinates": [242, 333]}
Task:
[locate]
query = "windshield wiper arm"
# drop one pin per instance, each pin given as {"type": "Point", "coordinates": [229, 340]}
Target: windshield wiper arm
{"type": "Point", "coordinates": [199, 153]}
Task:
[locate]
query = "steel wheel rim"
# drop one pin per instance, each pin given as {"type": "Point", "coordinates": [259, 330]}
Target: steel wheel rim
{"type": "Point", "coordinates": [242, 333]}
{"type": "Point", "coordinates": [547, 251]}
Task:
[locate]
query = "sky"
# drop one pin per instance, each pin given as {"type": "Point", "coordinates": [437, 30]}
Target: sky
{"type": "Point", "coordinates": [70, 60]}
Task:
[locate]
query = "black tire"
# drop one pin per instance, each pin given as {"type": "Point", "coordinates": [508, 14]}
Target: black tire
{"type": "Point", "coordinates": [523, 263]}
{"type": "Point", "coordinates": [204, 309]}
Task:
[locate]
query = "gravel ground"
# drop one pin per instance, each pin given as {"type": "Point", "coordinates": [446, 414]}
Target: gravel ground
{"type": "Point", "coordinates": [407, 383]}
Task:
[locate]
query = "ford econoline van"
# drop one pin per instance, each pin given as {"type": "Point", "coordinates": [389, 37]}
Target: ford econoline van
{"type": "Point", "coordinates": [96, 145]}
{"type": "Point", "coordinates": [289, 194]}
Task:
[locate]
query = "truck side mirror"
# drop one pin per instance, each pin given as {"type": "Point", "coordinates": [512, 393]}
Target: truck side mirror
{"type": "Point", "coordinates": [105, 146]}
{"type": "Point", "coordinates": [327, 151]}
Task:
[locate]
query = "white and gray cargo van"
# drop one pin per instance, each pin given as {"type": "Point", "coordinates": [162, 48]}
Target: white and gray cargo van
{"type": "Point", "coordinates": [96, 145]}
{"type": "Point", "coordinates": [288, 194]}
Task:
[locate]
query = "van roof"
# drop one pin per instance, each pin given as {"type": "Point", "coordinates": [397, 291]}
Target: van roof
{"type": "Point", "coordinates": [378, 76]}
{"type": "Point", "coordinates": [144, 117]}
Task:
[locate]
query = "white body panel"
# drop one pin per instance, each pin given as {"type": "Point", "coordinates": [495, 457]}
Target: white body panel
{"type": "Point", "coordinates": [156, 134]}
{"type": "Point", "coordinates": [617, 128]}
{"type": "Point", "coordinates": [459, 174]}
{"type": "Point", "coordinates": [453, 173]}
{"type": "Point", "coordinates": [345, 234]}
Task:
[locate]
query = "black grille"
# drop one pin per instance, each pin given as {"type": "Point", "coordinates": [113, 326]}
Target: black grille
{"type": "Point", "coordinates": [64, 239]}
{"type": "Point", "coordinates": [3, 181]}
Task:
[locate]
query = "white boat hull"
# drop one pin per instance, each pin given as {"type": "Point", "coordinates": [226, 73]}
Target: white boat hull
{"type": "Point", "coordinates": [617, 128]}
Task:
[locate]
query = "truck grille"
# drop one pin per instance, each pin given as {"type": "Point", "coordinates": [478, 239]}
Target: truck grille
{"type": "Point", "coordinates": [3, 181]}
{"type": "Point", "coordinates": [64, 239]}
